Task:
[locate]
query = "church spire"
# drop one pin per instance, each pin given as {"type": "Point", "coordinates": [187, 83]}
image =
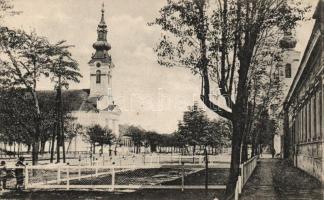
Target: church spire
{"type": "Point", "coordinates": [102, 21]}
{"type": "Point", "coordinates": [101, 45]}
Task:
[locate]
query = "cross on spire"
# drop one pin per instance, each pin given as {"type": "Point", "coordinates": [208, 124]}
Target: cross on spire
{"type": "Point", "coordinates": [102, 21]}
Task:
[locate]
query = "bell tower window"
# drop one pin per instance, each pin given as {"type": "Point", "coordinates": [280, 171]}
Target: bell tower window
{"type": "Point", "coordinates": [98, 76]}
{"type": "Point", "coordinates": [288, 70]}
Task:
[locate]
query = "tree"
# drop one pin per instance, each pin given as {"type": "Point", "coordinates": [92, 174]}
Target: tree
{"type": "Point", "coordinates": [25, 59]}
{"type": "Point", "coordinates": [217, 135]}
{"type": "Point", "coordinates": [219, 42]}
{"type": "Point", "coordinates": [194, 126]}
{"type": "Point", "coordinates": [152, 139]}
{"type": "Point", "coordinates": [137, 136]}
{"type": "Point", "coordinates": [96, 135]}
{"type": "Point", "coordinates": [64, 69]}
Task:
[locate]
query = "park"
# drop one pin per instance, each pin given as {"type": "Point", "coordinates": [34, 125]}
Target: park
{"type": "Point", "coordinates": [171, 99]}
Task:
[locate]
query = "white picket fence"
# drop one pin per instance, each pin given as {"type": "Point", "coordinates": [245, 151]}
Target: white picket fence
{"type": "Point", "coordinates": [147, 159]}
{"type": "Point", "coordinates": [246, 170]}
{"type": "Point", "coordinates": [107, 177]}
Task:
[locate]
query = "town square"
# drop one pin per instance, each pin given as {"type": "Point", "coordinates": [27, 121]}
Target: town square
{"type": "Point", "coordinates": [162, 99]}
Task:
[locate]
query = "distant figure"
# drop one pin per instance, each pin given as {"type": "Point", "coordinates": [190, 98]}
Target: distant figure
{"type": "Point", "coordinates": [273, 152]}
{"type": "Point", "coordinates": [3, 175]}
{"type": "Point", "coordinates": [20, 173]}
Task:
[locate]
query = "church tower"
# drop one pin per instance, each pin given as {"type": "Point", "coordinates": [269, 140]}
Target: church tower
{"type": "Point", "coordinates": [101, 67]}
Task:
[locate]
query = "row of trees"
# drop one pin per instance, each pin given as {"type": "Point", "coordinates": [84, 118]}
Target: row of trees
{"type": "Point", "coordinates": [196, 129]}
{"type": "Point", "coordinates": [25, 59]}
{"type": "Point", "coordinates": [228, 44]}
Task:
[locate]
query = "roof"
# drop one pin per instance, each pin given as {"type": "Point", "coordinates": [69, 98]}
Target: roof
{"type": "Point", "coordinates": [77, 100]}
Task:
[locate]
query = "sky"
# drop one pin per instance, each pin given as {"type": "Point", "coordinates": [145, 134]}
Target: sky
{"type": "Point", "coordinates": [148, 94]}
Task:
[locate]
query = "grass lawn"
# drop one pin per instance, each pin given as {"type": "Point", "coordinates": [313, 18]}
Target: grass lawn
{"type": "Point", "coordinates": [217, 176]}
{"type": "Point", "coordinates": [147, 194]}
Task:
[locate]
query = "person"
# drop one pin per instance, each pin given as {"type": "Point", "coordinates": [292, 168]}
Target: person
{"type": "Point", "coordinates": [3, 175]}
{"type": "Point", "coordinates": [273, 152]}
{"type": "Point", "coordinates": [20, 173]}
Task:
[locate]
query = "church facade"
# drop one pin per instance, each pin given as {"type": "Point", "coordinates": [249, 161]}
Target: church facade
{"type": "Point", "coordinates": [98, 106]}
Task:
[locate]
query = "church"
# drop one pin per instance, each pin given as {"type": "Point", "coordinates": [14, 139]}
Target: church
{"type": "Point", "coordinates": [96, 105]}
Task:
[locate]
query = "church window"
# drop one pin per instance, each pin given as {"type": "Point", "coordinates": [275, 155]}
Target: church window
{"type": "Point", "coordinates": [98, 64]}
{"type": "Point", "coordinates": [98, 76]}
{"type": "Point", "coordinates": [288, 70]}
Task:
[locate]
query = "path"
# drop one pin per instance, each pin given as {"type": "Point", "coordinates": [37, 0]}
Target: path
{"type": "Point", "coordinates": [274, 179]}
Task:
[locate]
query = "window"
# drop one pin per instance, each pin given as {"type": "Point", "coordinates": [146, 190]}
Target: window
{"type": "Point", "coordinates": [98, 64]}
{"type": "Point", "coordinates": [98, 76]}
{"type": "Point", "coordinates": [288, 70]}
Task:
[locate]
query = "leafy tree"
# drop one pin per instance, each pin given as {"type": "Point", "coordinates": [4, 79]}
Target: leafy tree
{"type": "Point", "coordinates": [152, 139]}
{"type": "Point", "coordinates": [219, 42]}
{"type": "Point", "coordinates": [193, 127]}
{"type": "Point", "coordinates": [96, 135]}
{"type": "Point", "coordinates": [25, 59]}
{"type": "Point", "coordinates": [63, 69]}
{"type": "Point", "coordinates": [137, 136]}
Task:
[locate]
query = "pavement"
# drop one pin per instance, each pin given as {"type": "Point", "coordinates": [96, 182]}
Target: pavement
{"type": "Point", "coordinates": [275, 179]}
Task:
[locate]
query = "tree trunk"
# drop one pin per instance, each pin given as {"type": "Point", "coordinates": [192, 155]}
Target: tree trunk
{"type": "Point", "coordinates": [28, 148]}
{"type": "Point", "coordinates": [244, 150]}
{"type": "Point", "coordinates": [68, 148]}
{"type": "Point", "coordinates": [18, 150]}
{"type": "Point", "coordinates": [235, 158]}
{"type": "Point", "coordinates": [42, 149]}
{"type": "Point", "coordinates": [58, 143]}
{"type": "Point", "coordinates": [53, 142]}
{"type": "Point", "coordinates": [35, 145]}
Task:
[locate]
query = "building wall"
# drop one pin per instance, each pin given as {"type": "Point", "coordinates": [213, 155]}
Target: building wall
{"type": "Point", "coordinates": [304, 110]}
{"type": "Point", "coordinates": [103, 118]}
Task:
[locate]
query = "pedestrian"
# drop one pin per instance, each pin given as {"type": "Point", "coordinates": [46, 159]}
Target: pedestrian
{"type": "Point", "coordinates": [20, 173]}
{"type": "Point", "coordinates": [273, 152]}
{"type": "Point", "coordinates": [3, 175]}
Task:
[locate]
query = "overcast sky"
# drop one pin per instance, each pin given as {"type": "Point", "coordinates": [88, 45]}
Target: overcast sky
{"type": "Point", "coordinates": [148, 94]}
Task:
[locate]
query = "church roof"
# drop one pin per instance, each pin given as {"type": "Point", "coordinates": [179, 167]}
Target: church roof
{"type": "Point", "coordinates": [76, 100]}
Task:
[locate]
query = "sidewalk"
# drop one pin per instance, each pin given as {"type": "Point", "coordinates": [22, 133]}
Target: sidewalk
{"type": "Point", "coordinates": [274, 179]}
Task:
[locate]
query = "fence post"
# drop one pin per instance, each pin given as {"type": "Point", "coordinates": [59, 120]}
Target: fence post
{"type": "Point", "coordinates": [239, 184]}
{"type": "Point", "coordinates": [151, 159]}
{"type": "Point", "coordinates": [79, 172]}
{"type": "Point", "coordinates": [96, 167]}
{"type": "Point", "coordinates": [68, 177]}
{"type": "Point", "coordinates": [182, 177]}
{"type": "Point", "coordinates": [59, 174]}
{"type": "Point", "coordinates": [26, 178]}
{"type": "Point", "coordinates": [243, 176]}
{"type": "Point", "coordinates": [113, 179]}
{"type": "Point", "coordinates": [236, 191]}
